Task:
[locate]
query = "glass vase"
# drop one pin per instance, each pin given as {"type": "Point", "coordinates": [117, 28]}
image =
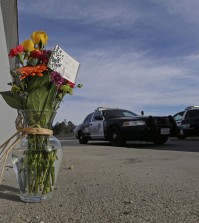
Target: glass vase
{"type": "Point", "coordinates": [37, 158]}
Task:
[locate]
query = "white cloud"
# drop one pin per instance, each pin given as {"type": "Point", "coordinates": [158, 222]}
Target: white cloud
{"type": "Point", "coordinates": [186, 8]}
{"type": "Point", "coordinates": [134, 55]}
{"type": "Point", "coordinates": [130, 82]}
{"type": "Point", "coordinates": [87, 11]}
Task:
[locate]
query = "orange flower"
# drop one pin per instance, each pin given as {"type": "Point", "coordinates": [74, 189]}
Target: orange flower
{"type": "Point", "coordinates": [32, 71]}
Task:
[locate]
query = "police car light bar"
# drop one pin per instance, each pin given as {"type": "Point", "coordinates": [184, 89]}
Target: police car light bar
{"type": "Point", "coordinates": [192, 107]}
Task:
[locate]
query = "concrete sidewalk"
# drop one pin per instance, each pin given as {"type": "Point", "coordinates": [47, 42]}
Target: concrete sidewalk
{"type": "Point", "coordinates": [110, 184]}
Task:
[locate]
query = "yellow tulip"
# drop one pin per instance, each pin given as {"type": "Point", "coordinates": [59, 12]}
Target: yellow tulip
{"type": "Point", "coordinates": [28, 45]}
{"type": "Point", "coordinates": [39, 36]}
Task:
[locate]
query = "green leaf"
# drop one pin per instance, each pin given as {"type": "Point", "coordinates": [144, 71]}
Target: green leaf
{"type": "Point", "coordinates": [13, 100]}
{"type": "Point", "coordinates": [36, 99]}
{"type": "Point", "coordinates": [32, 62]}
{"type": "Point", "coordinates": [16, 79]}
{"type": "Point", "coordinates": [51, 97]}
{"type": "Point", "coordinates": [37, 82]}
{"type": "Point", "coordinates": [42, 98]}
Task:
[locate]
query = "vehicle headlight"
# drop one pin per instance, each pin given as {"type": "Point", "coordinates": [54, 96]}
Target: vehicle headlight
{"type": "Point", "coordinates": [133, 123]}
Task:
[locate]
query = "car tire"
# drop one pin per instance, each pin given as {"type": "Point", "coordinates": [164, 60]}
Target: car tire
{"type": "Point", "coordinates": [161, 140]}
{"type": "Point", "coordinates": [115, 137]}
{"type": "Point", "coordinates": [82, 139]}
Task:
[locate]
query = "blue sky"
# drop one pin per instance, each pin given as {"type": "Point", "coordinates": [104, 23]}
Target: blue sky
{"type": "Point", "coordinates": [133, 54]}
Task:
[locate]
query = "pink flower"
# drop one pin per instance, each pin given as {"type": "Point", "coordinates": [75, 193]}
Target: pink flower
{"type": "Point", "coordinates": [16, 51]}
{"type": "Point", "coordinates": [57, 79]}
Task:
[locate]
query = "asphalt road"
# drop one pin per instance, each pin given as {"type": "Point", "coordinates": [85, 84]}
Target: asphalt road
{"type": "Point", "coordinates": [98, 183]}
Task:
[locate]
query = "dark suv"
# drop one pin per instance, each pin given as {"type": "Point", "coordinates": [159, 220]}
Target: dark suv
{"type": "Point", "coordinates": [190, 121]}
{"type": "Point", "coordinates": [120, 125]}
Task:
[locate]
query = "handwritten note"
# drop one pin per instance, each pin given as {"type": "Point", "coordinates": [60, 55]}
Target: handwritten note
{"type": "Point", "coordinates": [64, 64]}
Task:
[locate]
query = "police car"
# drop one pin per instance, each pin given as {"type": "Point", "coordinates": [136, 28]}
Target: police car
{"type": "Point", "coordinates": [190, 122]}
{"type": "Point", "coordinates": [120, 125]}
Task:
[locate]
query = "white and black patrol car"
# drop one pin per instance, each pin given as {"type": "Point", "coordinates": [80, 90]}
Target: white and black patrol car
{"type": "Point", "coordinates": [120, 125]}
{"type": "Point", "coordinates": [190, 122]}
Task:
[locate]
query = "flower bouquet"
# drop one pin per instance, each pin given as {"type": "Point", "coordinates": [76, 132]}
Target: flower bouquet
{"type": "Point", "coordinates": [37, 90]}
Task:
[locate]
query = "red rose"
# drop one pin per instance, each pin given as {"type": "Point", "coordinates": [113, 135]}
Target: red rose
{"type": "Point", "coordinates": [35, 54]}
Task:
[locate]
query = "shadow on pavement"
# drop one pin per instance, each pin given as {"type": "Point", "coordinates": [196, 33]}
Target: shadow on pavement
{"type": "Point", "coordinates": [174, 144]}
{"type": "Point", "coordinates": [9, 193]}
{"type": "Point", "coordinates": [185, 145]}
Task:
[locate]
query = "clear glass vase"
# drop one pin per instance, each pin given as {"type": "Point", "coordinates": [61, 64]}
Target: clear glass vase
{"type": "Point", "coordinates": [37, 158]}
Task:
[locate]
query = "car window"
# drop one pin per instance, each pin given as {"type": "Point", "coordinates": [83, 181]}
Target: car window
{"type": "Point", "coordinates": [128, 114]}
{"type": "Point", "coordinates": [192, 114]}
{"type": "Point", "coordinates": [118, 113]}
{"type": "Point", "coordinates": [87, 120]}
{"type": "Point", "coordinates": [178, 116]}
{"type": "Point", "coordinates": [96, 114]}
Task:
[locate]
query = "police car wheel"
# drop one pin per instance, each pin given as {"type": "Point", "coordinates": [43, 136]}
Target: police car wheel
{"type": "Point", "coordinates": [82, 139]}
{"type": "Point", "coordinates": [115, 137]}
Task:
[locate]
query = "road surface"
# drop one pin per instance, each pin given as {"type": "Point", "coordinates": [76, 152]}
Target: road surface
{"type": "Point", "coordinates": [98, 183]}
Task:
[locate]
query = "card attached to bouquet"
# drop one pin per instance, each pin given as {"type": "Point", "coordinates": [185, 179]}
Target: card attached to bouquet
{"type": "Point", "coordinates": [64, 64]}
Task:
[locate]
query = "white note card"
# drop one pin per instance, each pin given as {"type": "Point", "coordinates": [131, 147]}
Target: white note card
{"type": "Point", "coordinates": [64, 64]}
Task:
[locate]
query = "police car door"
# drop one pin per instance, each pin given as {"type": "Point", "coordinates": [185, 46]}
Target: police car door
{"type": "Point", "coordinates": [86, 125]}
{"type": "Point", "coordinates": [96, 126]}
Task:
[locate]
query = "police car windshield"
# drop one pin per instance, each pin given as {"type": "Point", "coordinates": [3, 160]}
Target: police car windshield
{"type": "Point", "coordinates": [118, 113]}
